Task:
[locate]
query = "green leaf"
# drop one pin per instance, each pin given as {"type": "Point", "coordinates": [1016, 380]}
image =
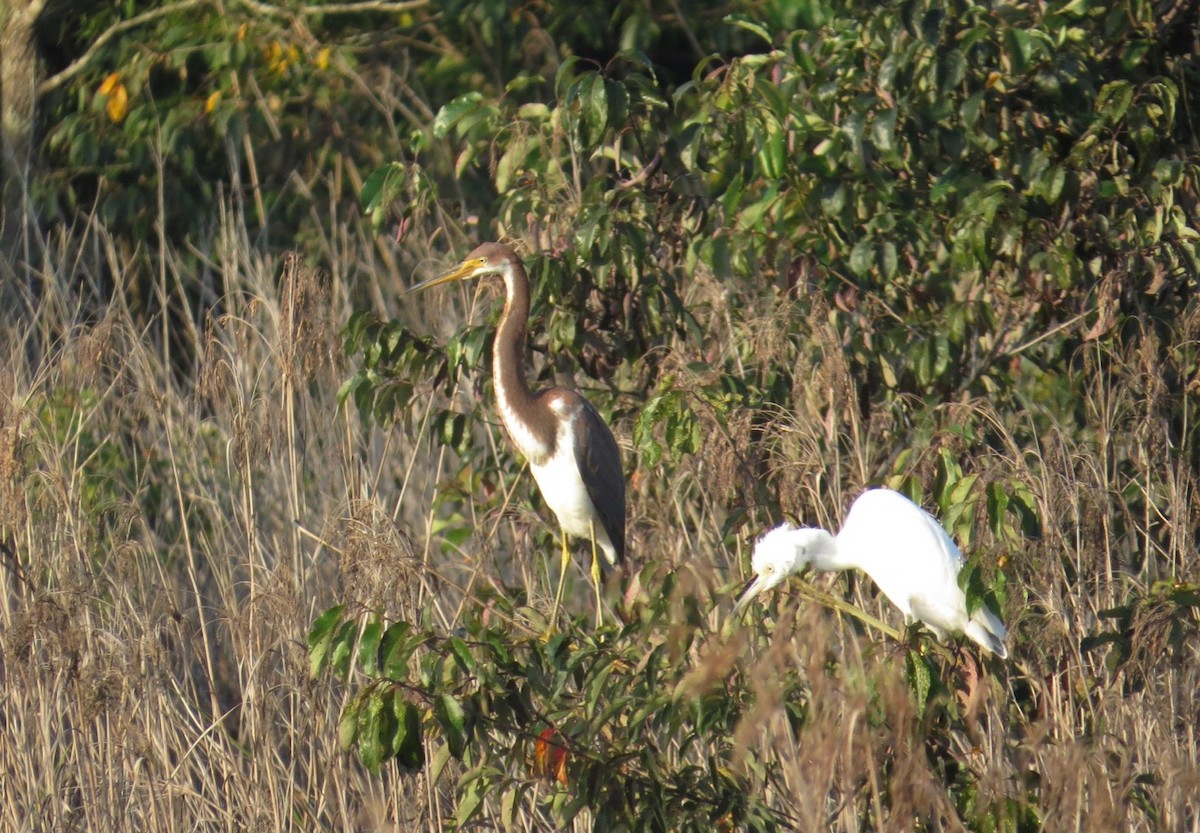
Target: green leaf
{"type": "Point", "coordinates": [441, 757]}
{"type": "Point", "coordinates": [348, 723]}
{"type": "Point", "coordinates": [889, 261]}
{"type": "Point", "coordinates": [462, 654]}
{"type": "Point", "coordinates": [508, 807]}
{"type": "Point", "coordinates": [862, 257]}
{"type": "Point", "coordinates": [376, 183]}
{"type": "Point", "coordinates": [997, 504]}
{"type": "Point", "coordinates": [350, 386]}
{"type": "Point", "coordinates": [771, 155]}
{"type": "Point", "coordinates": [1050, 183]}
{"type": "Point", "coordinates": [452, 113]}
{"type": "Point", "coordinates": [833, 197]}
{"type": "Point", "coordinates": [469, 803]}
{"type": "Point", "coordinates": [970, 579]}
{"type": "Point", "coordinates": [920, 679]}
{"type": "Point", "coordinates": [533, 111]}
{"type": "Point", "coordinates": [617, 102]}
{"type": "Point", "coordinates": [370, 730]}
{"type": "Point", "coordinates": [743, 22]}
{"type": "Point", "coordinates": [961, 489]}
{"type": "Point", "coordinates": [1113, 101]}
{"type": "Point", "coordinates": [410, 752]}
{"type": "Point", "coordinates": [883, 129]}
{"type": "Point", "coordinates": [453, 720]}
{"type": "Point", "coordinates": [368, 647]}
{"type": "Point", "coordinates": [320, 638]}
{"type": "Point", "coordinates": [342, 648]}
{"type": "Point", "coordinates": [394, 650]}
{"type": "Point", "coordinates": [511, 160]}
{"type": "Point", "coordinates": [593, 100]}
{"type": "Point", "coordinates": [1134, 53]}
{"type": "Point", "coordinates": [1022, 46]}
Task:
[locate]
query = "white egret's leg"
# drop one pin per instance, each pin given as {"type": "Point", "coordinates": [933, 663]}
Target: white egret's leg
{"type": "Point", "coordinates": [596, 577]}
{"type": "Point", "coordinates": [562, 578]}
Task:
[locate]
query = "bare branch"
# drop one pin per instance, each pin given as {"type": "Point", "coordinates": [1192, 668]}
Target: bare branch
{"type": "Point", "coordinates": [385, 6]}
{"type": "Point", "coordinates": [76, 66]}
{"type": "Point", "coordinates": [644, 174]}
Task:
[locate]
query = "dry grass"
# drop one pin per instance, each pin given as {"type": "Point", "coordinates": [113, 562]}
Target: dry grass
{"type": "Point", "coordinates": [168, 538]}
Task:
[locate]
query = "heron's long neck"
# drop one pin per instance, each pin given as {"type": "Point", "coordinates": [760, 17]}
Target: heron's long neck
{"type": "Point", "coordinates": [824, 554]}
{"type": "Point", "coordinates": [517, 404]}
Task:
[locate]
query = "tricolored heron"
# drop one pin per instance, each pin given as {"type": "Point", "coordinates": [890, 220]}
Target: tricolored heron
{"type": "Point", "coordinates": [571, 451]}
{"type": "Point", "coordinates": [898, 544]}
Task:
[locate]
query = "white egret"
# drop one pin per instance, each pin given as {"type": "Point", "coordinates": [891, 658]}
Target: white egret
{"type": "Point", "coordinates": [901, 547]}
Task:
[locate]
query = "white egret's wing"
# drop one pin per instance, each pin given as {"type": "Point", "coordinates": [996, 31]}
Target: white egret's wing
{"type": "Point", "coordinates": [904, 549]}
{"type": "Point", "coordinates": [916, 564]}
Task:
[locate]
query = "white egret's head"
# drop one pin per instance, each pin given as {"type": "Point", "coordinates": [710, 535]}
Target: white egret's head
{"type": "Point", "coordinates": [782, 552]}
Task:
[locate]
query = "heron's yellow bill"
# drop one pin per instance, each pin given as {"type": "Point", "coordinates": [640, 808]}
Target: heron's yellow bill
{"type": "Point", "coordinates": [464, 270]}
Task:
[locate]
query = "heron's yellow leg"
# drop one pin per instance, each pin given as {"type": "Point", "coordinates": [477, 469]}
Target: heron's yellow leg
{"type": "Point", "coordinates": [562, 577]}
{"type": "Point", "coordinates": [596, 578]}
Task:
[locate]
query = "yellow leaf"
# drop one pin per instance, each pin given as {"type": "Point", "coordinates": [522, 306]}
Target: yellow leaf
{"type": "Point", "coordinates": [211, 101]}
{"type": "Point", "coordinates": [106, 87]}
{"type": "Point", "coordinates": [323, 59]}
{"type": "Point", "coordinates": [118, 102]}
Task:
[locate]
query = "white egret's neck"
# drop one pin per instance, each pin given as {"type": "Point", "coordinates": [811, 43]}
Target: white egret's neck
{"type": "Point", "coordinates": [821, 551]}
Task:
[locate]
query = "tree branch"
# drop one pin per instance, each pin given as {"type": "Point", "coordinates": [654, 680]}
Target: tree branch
{"type": "Point", "coordinates": [384, 6]}
{"type": "Point", "coordinates": [57, 80]}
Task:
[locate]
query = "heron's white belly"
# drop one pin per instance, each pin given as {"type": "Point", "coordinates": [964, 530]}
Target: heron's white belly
{"type": "Point", "coordinates": [563, 490]}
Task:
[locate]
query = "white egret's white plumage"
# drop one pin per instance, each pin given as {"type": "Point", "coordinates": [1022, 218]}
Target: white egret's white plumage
{"type": "Point", "coordinates": [898, 544]}
{"type": "Point", "coordinates": [572, 453]}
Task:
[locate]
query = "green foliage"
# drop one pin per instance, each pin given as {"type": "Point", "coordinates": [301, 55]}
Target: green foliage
{"type": "Point", "coordinates": [391, 358]}
{"type": "Point", "coordinates": [1149, 629]}
{"type": "Point", "coordinates": [899, 155]}
{"type": "Point", "coordinates": [611, 721]}
{"type": "Point", "coordinates": [148, 127]}
{"type": "Point", "coordinates": [673, 408]}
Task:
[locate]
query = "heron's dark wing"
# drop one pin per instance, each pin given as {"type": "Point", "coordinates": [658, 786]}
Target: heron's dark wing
{"type": "Point", "coordinates": [599, 460]}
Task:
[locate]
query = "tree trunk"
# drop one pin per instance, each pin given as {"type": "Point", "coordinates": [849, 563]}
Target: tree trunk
{"type": "Point", "coordinates": [18, 81]}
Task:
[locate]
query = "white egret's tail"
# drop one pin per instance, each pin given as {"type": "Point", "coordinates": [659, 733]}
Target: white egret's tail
{"type": "Point", "coordinates": [986, 629]}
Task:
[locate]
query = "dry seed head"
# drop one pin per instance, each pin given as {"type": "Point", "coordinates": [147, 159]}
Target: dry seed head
{"type": "Point", "coordinates": [307, 329]}
{"type": "Point", "coordinates": [212, 377]}
{"type": "Point", "coordinates": [13, 469]}
{"type": "Point", "coordinates": [95, 352]}
{"type": "Point", "coordinates": [101, 690]}
{"type": "Point", "coordinates": [379, 566]}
